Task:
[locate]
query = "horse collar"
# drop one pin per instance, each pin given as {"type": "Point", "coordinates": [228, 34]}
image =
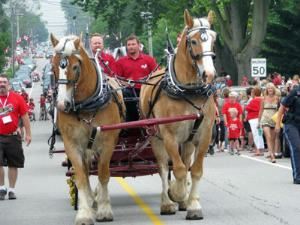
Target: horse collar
{"type": "Point", "coordinates": [174, 89]}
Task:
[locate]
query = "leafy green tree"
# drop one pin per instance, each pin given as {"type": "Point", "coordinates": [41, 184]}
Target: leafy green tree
{"type": "Point", "coordinates": [76, 18]}
{"type": "Point", "coordinates": [4, 34]}
{"type": "Point", "coordinates": [242, 27]}
{"type": "Point", "coordinates": [281, 46]}
{"type": "Point", "coordinates": [31, 24]}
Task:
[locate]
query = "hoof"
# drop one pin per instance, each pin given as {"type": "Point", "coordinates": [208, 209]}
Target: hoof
{"type": "Point", "coordinates": [84, 222]}
{"type": "Point", "coordinates": [182, 206]}
{"type": "Point", "coordinates": [169, 209]}
{"type": "Point", "coordinates": [194, 215]}
{"type": "Point", "coordinates": [105, 220]}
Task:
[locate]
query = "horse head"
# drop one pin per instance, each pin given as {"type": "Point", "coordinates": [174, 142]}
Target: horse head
{"type": "Point", "coordinates": [197, 45]}
{"type": "Point", "coordinates": [70, 62]}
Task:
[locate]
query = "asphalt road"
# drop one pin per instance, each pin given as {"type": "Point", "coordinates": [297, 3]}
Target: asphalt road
{"type": "Point", "coordinates": [235, 190]}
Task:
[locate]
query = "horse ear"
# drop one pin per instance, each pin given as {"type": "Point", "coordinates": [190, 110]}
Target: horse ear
{"type": "Point", "coordinates": [53, 39]}
{"type": "Point", "coordinates": [188, 19]}
{"type": "Point", "coordinates": [211, 17]}
{"type": "Point", "coordinates": [77, 43]}
{"type": "Point", "coordinates": [81, 36]}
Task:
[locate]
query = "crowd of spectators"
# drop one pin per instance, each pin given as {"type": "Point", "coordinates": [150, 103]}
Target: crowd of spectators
{"type": "Point", "coordinates": [248, 116]}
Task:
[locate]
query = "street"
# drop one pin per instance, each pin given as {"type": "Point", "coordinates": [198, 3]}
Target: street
{"type": "Point", "coordinates": [235, 190]}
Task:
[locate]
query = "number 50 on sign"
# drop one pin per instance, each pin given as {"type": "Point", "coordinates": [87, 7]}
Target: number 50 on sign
{"type": "Point", "coordinates": [258, 67]}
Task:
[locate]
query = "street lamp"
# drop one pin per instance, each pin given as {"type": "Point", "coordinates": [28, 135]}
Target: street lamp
{"type": "Point", "coordinates": [148, 17]}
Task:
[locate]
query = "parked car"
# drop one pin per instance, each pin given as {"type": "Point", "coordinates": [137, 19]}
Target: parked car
{"type": "Point", "coordinates": [16, 84]}
{"type": "Point", "coordinates": [30, 63]}
{"type": "Point", "coordinates": [25, 77]}
{"type": "Point", "coordinates": [47, 78]}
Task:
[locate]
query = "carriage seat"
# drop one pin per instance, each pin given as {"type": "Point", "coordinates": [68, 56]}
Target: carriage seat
{"type": "Point", "coordinates": [131, 98]}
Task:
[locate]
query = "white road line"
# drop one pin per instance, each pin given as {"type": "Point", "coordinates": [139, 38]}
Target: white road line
{"type": "Point", "coordinates": [266, 162]}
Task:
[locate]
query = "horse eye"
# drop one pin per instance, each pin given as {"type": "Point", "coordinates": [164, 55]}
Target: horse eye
{"type": "Point", "coordinates": [194, 42]}
{"type": "Point", "coordinates": [63, 63]}
{"type": "Point", "coordinates": [75, 67]}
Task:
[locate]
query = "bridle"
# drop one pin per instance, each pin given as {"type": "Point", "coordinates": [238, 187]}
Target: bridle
{"type": "Point", "coordinates": [102, 93]}
{"type": "Point", "coordinates": [203, 30]}
{"type": "Point", "coordinates": [63, 64]}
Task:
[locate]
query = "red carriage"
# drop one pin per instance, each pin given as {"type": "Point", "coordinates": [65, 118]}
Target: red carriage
{"type": "Point", "coordinates": [90, 118]}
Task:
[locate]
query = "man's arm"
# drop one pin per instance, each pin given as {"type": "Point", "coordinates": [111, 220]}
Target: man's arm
{"type": "Point", "coordinates": [26, 122]}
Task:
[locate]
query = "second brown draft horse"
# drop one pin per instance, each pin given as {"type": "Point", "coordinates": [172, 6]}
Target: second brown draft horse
{"type": "Point", "coordinates": [183, 89]}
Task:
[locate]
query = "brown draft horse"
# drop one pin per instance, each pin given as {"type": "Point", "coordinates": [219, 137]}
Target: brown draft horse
{"type": "Point", "coordinates": [78, 113]}
{"type": "Point", "coordinates": [185, 143]}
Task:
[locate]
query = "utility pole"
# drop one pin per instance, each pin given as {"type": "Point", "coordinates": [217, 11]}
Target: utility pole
{"type": "Point", "coordinates": [12, 16]}
{"type": "Point", "coordinates": [147, 16]}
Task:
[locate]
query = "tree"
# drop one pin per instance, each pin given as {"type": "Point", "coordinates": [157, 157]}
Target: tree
{"type": "Point", "coordinates": [241, 26]}
{"type": "Point", "coordinates": [4, 34]}
{"type": "Point", "coordinates": [282, 40]}
{"type": "Point", "coordinates": [77, 19]}
{"type": "Point", "coordinates": [31, 24]}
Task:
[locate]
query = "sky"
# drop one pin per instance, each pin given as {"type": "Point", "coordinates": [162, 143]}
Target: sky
{"type": "Point", "coordinates": [53, 14]}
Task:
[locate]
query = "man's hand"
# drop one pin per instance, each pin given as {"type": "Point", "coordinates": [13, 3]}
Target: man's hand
{"type": "Point", "coordinates": [27, 139]}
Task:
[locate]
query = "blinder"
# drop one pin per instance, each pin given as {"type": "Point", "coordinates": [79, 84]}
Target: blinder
{"type": "Point", "coordinates": [63, 63]}
{"type": "Point", "coordinates": [204, 37]}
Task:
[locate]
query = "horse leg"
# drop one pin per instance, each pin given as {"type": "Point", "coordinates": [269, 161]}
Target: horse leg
{"type": "Point", "coordinates": [85, 214]}
{"type": "Point", "coordinates": [177, 191]}
{"type": "Point", "coordinates": [167, 206]}
{"type": "Point", "coordinates": [187, 151]}
{"type": "Point", "coordinates": [194, 209]}
{"type": "Point", "coordinates": [104, 210]}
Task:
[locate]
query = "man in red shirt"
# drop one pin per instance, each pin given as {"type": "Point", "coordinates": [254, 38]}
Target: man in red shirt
{"type": "Point", "coordinates": [229, 82]}
{"type": "Point", "coordinates": [135, 66]}
{"type": "Point", "coordinates": [105, 60]}
{"type": "Point", "coordinates": [12, 108]}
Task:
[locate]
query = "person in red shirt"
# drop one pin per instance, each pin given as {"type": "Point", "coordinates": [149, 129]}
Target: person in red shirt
{"type": "Point", "coordinates": [105, 60]}
{"type": "Point", "coordinates": [277, 80]}
{"type": "Point", "coordinates": [135, 66]}
{"type": "Point", "coordinates": [234, 131]}
{"type": "Point", "coordinates": [229, 82]}
{"type": "Point", "coordinates": [232, 103]}
{"type": "Point", "coordinates": [24, 95]}
{"type": "Point", "coordinates": [43, 111]}
{"type": "Point", "coordinates": [252, 116]}
{"type": "Point", "coordinates": [12, 108]}
{"type": "Point", "coordinates": [31, 107]}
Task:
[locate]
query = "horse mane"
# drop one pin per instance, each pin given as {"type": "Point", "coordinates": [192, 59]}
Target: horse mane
{"type": "Point", "coordinates": [66, 45]}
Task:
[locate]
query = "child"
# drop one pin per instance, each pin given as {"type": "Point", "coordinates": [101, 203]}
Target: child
{"type": "Point", "coordinates": [234, 131]}
{"type": "Point", "coordinates": [31, 107]}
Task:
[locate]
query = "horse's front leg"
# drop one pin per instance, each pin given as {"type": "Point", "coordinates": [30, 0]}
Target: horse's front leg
{"type": "Point", "coordinates": [178, 189]}
{"type": "Point", "coordinates": [104, 210]}
{"type": "Point", "coordinates": [167, 206]}
{"type": "Point", "coordinates": [194, 209]}
{"type": "Point", "coordinates": [187, 154]}
{"type": "Point", "coordinates": [85, 214]}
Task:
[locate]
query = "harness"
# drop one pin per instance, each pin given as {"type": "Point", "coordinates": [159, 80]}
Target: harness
{"type": "Point", "coordinates": [187, 92]}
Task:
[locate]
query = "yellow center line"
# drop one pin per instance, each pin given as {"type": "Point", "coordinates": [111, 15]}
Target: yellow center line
{"type": "Point", "coordinates": [139, 201]}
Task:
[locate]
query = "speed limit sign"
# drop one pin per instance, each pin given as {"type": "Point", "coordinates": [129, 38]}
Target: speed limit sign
{"type": "Point", "coordinates": [258, 67]}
